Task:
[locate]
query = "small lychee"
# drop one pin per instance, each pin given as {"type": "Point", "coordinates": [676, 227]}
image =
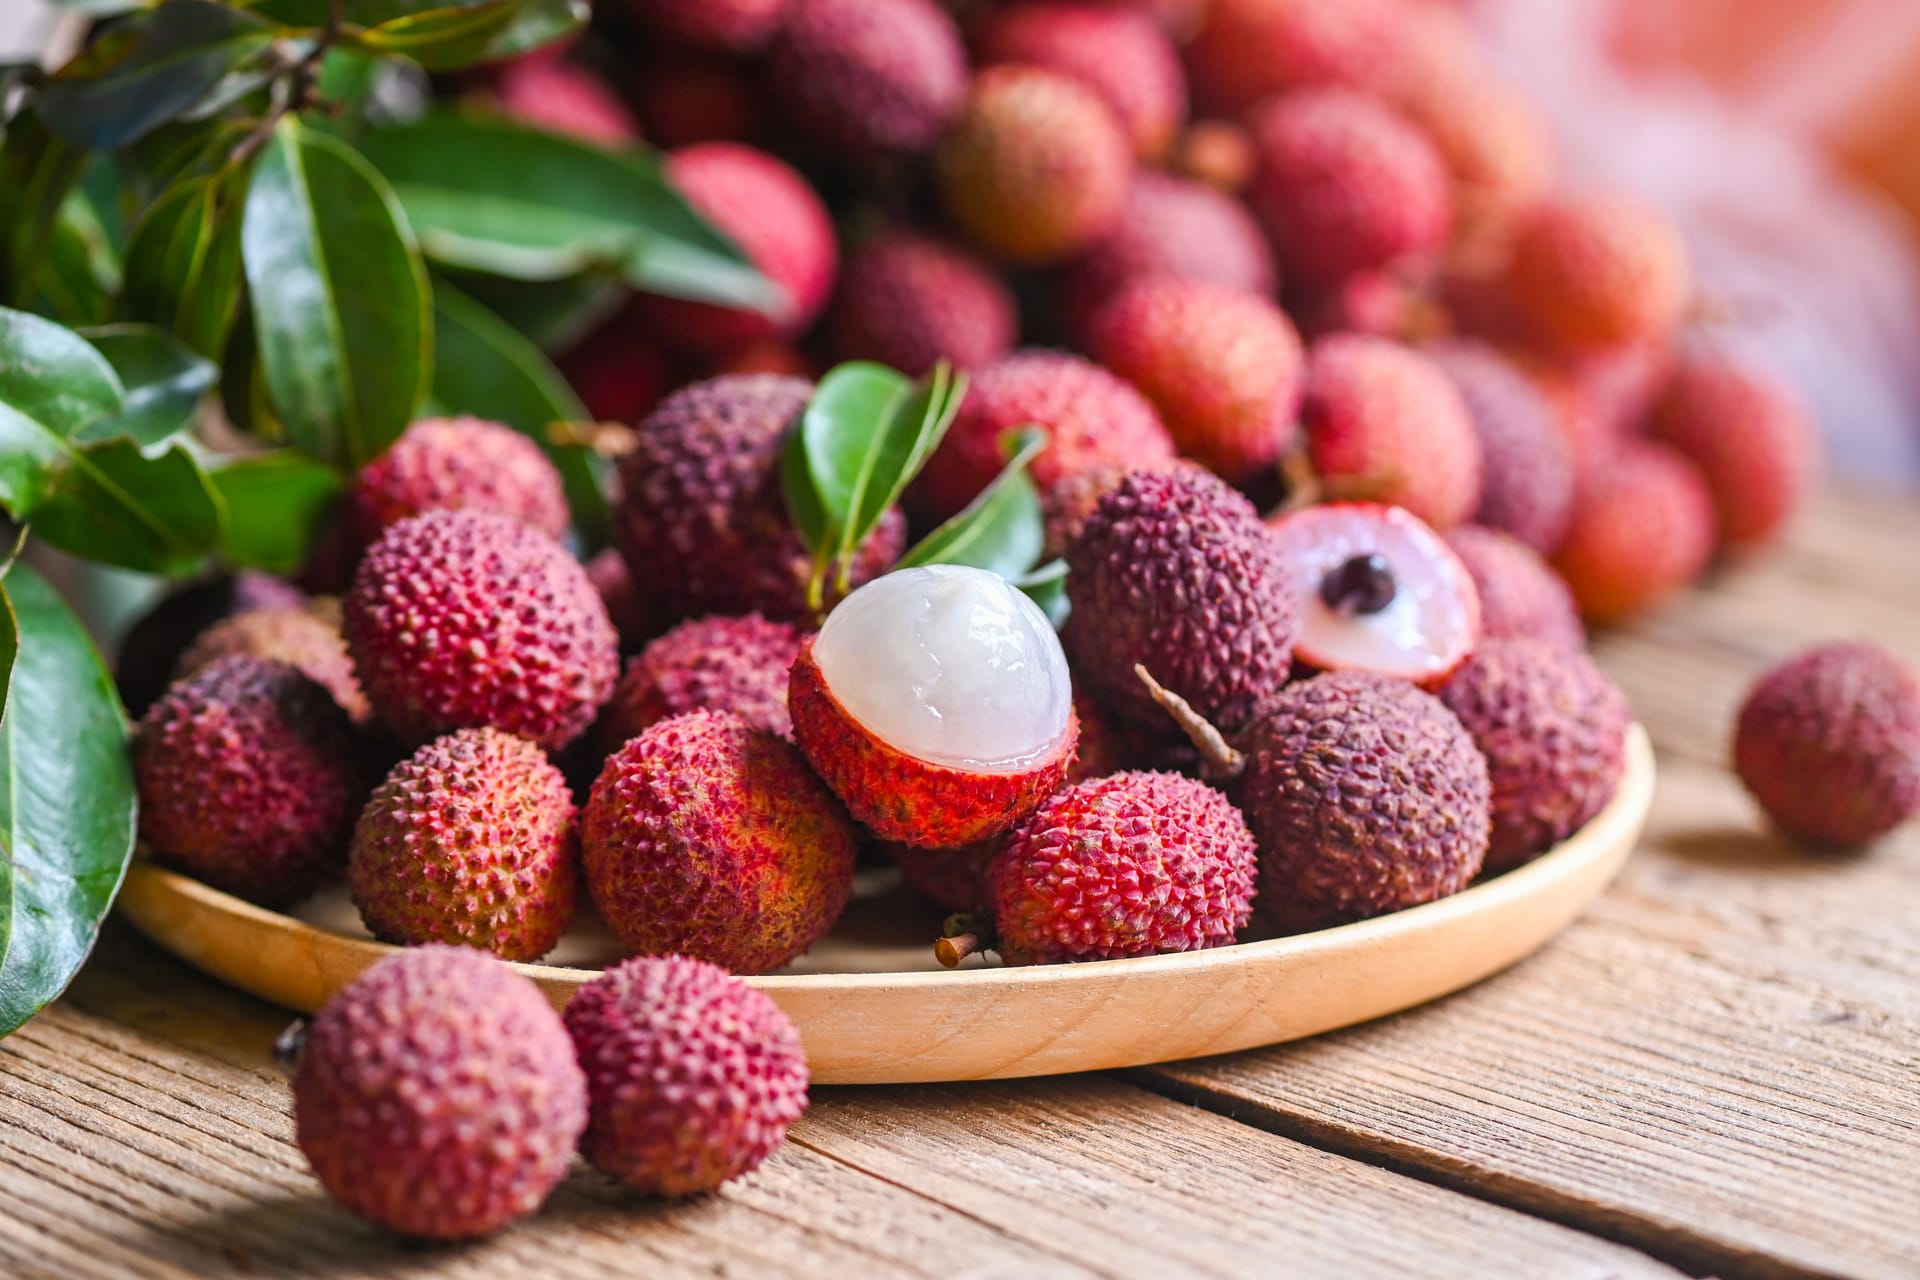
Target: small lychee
{"type": "Point", "coordinates": [684, 99]}
{"type": "Point", "coordinates": [1249, 50]}
{"type": "Point", "coordinates": [1118, 52]}
{"type": "Point", "coordinates": [1753, 441]}
{"type": "Point", "coordinates": [1218, 153]}
{"type": "Point", "coordinates": [563, 97]}
{"type": "Point", "coordinates": [873, 78]}
{"type": "Point", "coordinates": [633, 614]}
{"type": "Point", "coordinates": [909, 300]}
{"type": "Point", "coordinates": [297, 634]}
{"type": "Point", "coordinates": [717, 663]}
{"type": "Point", "coordinates": [1527, 471]}
{"type": "Point", "coordinates": [1066, 506]}
{"type": "Point", "coordinates": [150, 650]}
{"type": "Point", "coordinates": [619, 369]}
{"type": "Point", "coordinates": [447, 464]}
{"type": "Point", "coordinates": [1521, 597]}
{"type": "Point", "coordinates": [1593, 271]}
{"type": "Point", "coordinates": [1642, 529]}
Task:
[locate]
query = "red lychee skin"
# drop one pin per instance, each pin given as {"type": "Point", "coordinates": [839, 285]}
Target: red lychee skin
{"type": "Point", "coordinates": [438, 1096]}
{"type": "Point", "coordinates": [732, 25]}
{"type": "Point", "coordinates": [1642, 529]}
{"type": "Point", "coordinates": [1119, 53]}
{"type": "Point", "coordinates": [1377, 302]}
{"type": "Point", "coordinates": [1498, 149]}
{"type": "Point", "coordinates": [472, 841]}
{"type": "Point", "coordinates": [1527, 472]}
{"type": "Point", "coordinates": [778, 221]}
{"type": "Point", "coordinates": [1135, 864]}
{"type": "Point", "coordinates": [451, 464]}
{"type": "Point", "coordinates": [707, 664]}
{"type": "Point", "coordinates": [1175, 571]}
{"type": "Point", "coordinates": [1248, 50]}
{"type": "Point", "coordinates": [1554, 732]}
{"type": "Point", "coordinates": [1366, 796]}
{"type": "Point", "coordinates": [701, 518]}
{"type": "Point", "coordinates": [1750, 436]}
{"type": "Point", "coordinates": [871, 77]}
{"type": "Point", "coordinates": [955, 879]}
{"type": "Point", "coordinates": [909, 300]}
{"type": "Point", "coordinates": [901, 797]}
{"type": "Point", "coordinates": [565, 98]}
{"type": "Point", "coordinates": [620, 369]}
{"type": "Point", "coordinates": [683, 101]}
{"type": "Point", "coordinates": [1597, 272]}
{"type": "Point", "coordinates": [463, 619]}
{"type": "Point", "coordinates": [1106, 745]}
{"type": "Point", "coordinates": [1829, 743]}
{"type": "Point", "coordinates": [1169, 227]}
{"type": "Point", "coordinates": [1385, 424]}
{"type": "Point", "coordinates": [693, 1076]}
{"type": "Point", "coordinates": [1221, 366]}
{"type": "Point", "coordinates": [247, 778]}
{"type": "Point", "coordinates": [634, 615]}
{"type": "Point", "coordinates": [1066, 506]}
{"type": "Point", "coordinates": [294, 634]}
{"type": "Point", "coordinates": [1092, 418]}
{"type": "Point", "coordinates": [1521, 597]}
{"type": "Point", "coordinates": [1218, 153]}
{"type": "Point", "coordinates": [1343, 184]}
{"type": "Point", "coordinates": [150, 651]}
{"type": "Point", "coordinates": [1034, 169]}
{"type": "Point", "coordinates": [707, 837]}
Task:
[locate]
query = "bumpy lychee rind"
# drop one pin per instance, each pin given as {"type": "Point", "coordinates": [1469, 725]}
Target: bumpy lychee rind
{"type": "Point", "coordinates": [1118, 52]}
{"type": "Point", "coordinates": [1366, 796]}
{"type": "Point", "coordinates": [1828, 742]}
{"type": "Point", "coordinates": [1066, 506]}
{"type": "Point", "coordinates": [1175, 571]}
{"type": "Point", "coordinates": [1132, 864]}
{"type": "Point", "coordinates": [701, 518]}
{"type": "Point", "coordinates": [463, 619]}
{"type": "Point", "coordinates": [707, 664]}
{"type": "Point", "coordinates": [1642, 529]}
{"type": "Point", "coordinates": [438, 1095]}
{"type": "Point", "coordinates": [693, 1077]}
{"type": "Point", "coordinates": [1753, 441]}
{"type": "Point", "coordinates": [445, 464]}
{"type": "Point", "coordinates": [295, 634]}
{"type": "Point", "coordinates": [1248, 50]}
{"type": "Point", "coordinates": [901, 797]}
{"type": "Point", "coordinates": [1554, 732]}
{"type": "Point", "coordinates": [1596, 272]}
{"type": "Point", "coordinates": [908, 300]}
{"type": "Point", "coordinates": [707, 837]}
{"type": "Point", "coordinates": [247, 779]}
{"type": "Point", "coordinates": [1526, 463]}
{"type": "Point", "coordinates": [472, 840]}
{"type": "Point", "coordinates": [151, 648]}
{"type": "Point", "coordinates": [871, 77]}
{"type": "Point", "coordinates": [1521, 597]}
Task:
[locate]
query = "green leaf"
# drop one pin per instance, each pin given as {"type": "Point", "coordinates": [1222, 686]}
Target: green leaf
{"type": "Point", "coordinates": [1002, 529]}
{"type": "Point", "coordinates": [275, 503]}
{"type": "Point", "coordinates": [101, 8]}
{"type": "Point", "coordinates": [1046, 586]}
{"type": "Point", "coordinates": [842, 434]}
{"type": "Point", "coordinates": [183, 260]}
{"type": "Point", "coordinates": [162, 379]}
{"type": "Point", "coordinates": [53, 384]}
{"type": "Point", "coordinates": [66, 801]}
{"type": "Point", "coordinates": [80, 272]}
{"type": "Point", "coordinates": [448, 37]}
{"type": "Point", "coordinates": [341, 307]}
{"type": "Point", "coordinates": [116, 505]}
{"type": "Point", "coordinates": [553, 314]}
{"type": "Point", "coordinates": [9, 650]}
{"type": "Point", "coordinates": [37, 170]}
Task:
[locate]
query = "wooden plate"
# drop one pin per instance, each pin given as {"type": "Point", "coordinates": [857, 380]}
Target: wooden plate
{"type": "Point", "coordinates": [875, 1009]}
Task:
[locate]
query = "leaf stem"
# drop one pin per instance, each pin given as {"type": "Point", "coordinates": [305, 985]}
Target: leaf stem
{"type": "Point", "coordinates": [295, 89]}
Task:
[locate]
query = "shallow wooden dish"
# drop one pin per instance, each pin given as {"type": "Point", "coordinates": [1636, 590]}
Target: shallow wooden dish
{"type": "Point", "coordinates": [875, 1009]}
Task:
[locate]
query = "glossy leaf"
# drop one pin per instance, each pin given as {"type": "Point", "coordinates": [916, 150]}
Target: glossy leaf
{"type": "Point", "coordinates": [274, 503]}
{"type": "Point", "coordinates": [60, 861]}
{"type": "Point", "coordinates": [1046, 586]}
{"type": "Point", "coordinates": [183, 260]}
{"type": "Point", "coordinates": [1002, 529]}
{"type": "Point", "coordinates": [79, 274]}
{"type": "Point", "coordinates": [38, 168]}
{"type": "Point", "coordinates": [114, 504]}
{"type": "Point", "coordinates": [446, 37]}
{"type": "Point", "coordinates": [53, 384]}
{"type": "Point", "coordinates": [163, 383]}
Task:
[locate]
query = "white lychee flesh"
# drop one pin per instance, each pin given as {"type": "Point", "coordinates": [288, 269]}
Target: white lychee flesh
{"type": "Point", "coordinates": [950, 665]}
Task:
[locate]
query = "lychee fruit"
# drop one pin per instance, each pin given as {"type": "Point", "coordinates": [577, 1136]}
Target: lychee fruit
{"type": "Point", "coordinates": [1035, 168]}
{"type": "Point", "coordinates": [1593, 271]}
{"type": "Point", "coordinates": [619, 369]}
{"type": "Point", "coordinates": [732, 25]}
{"type": "Point", "coordinates": [777, 220]}
{"type": "Point", "coordinates": [1495, 145]}
{"type": "Point", "coordinates": [692, 1076]}
{"type": "Point", "coordinates": [701, 518]}
{"type": "Point", "coordinates": [248, 780]}
{"type": "Point", "coordinates": [1521, 597]}
{"type": "Point", "coordinates": [438, 1096]}
{"type": "Point", "coordinates": [1384, 423]}
{"type": "Point", "coordinates": [633, 613]}
{"type": "Point", "coordinates": [868, 77]}
{"type": "Point", "coordinates": [448, 464]}
{"type": "Point", "coordinates": [686, 99]}
{"type": "Point", "coordinates": [718, 663]}
{"type": "Point", "coordinates": [909, 300]}
{"type": "Point", "coordinates": [765, 356]}
{"type": "Point", "coordinates": [1091, 417]}
{"type": "Point", "coordinates": [1106, 745]}
{"type": "Point", "coordinates": [151, 648]}
{"type": "Point", "coordinates": [935, 702]}
{"type": "Point", "coordinates": [463, 619]}
{"type": "Point", "coordinates": [471, 841]}
{"type": "Point", "coordinates": [1248, 50]}
{"type": "Point", "coordinates": [1217, 153]}
{"type": "Point", "coordinates": [1222, 367]}
{"type": "Point", "coordinates": [296, 634]}
{"type": "Point", "coordinates": [1174, 571]}
{"type": "Point", "coordinates": [1375, 589]}
{"type": "Point", "coordinates": [1829, 743]}
{"type": "Point", "coordinates": [1066, 506]}
{"type": "Point", "coordinates": [707, 837]}
{"type": "Point", "coordinates": [1118, 52]}
{"type": "Point", "coordinates": [1554, 732]}
{"type": "Point", "coordinates": [1642, 529]}
{"type": "Point", "coordinates": [1343, 185]}
{"type": "Point", "coordinates": [565, 98]}
{"type": "Point", "coordinates": [1750, 436]}
{"type": "Point", "coordinates": [955, 879]}
{"type": "Point", "coordinates": [1526, 463]}
{"type": "Point", "coordinates": [1366, 796]}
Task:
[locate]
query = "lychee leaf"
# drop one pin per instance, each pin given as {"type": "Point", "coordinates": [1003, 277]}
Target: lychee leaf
{"type": "Point", "coordinates": [1002, 528]}
{"type": "Point", "coordinates": [911, 432]}
{"type": "Point", "coordinates": [114, 504]}
{"type": "Point", "coordinates": [183, 260]}
{"type": "Point", "coordinates": [1046, 586]}
{"type": "Point", "coordinates": [163, 380]}
{"type": "Point", "coordinates": [53, 385]}
{"type": "Point", "coordinates": [275, 503]}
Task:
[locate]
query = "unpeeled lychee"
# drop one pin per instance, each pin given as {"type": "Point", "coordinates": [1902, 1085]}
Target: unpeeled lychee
{"type": "Point", "coordinates": [447, 464]}
{"type": "Point", "coordinates": [692, 1076]}
{"type": "Point", "coordinates": [438, 1095]}
{"type": "Point", "coordinates": [1521, 597]}
{"type": "Point", "coordinates": [704, 836]}
{"type": "Point", "coordinates": [633, 613]}
{"type": "Point", "coordinates": [1066, 506]}
{"type": "Point", "coordinates": [297, 634]}
{"type": "Point", "coordinates": [952, 878]}
{"type": "Point", "coordinates": [1118, 52]}
{"type": "Point", "coordinates": [1526, 469]}
{"type": "Point", "coordinates": [686, 99]}
{"type": "Point", "coordinates": [1642, 529]}
{"type": "Point", "coordinates": [1829, 743]}
{"type": "Point", "coordinates": [619, 369]}
{"type": "Point", "coordinates": [151, 648]}
{"type": "Point", "coordinates": [1594, 271]}
{"type": "Point", "coordinates": [733, 25]}
{"type": "Point", "coordinates": [717, 663]}
{"type": "Point", "coordinates": [870, 77]}
{"type": "Point", "coordinates": [563, 97]}
{"type": "Point", "coordinates": [1751, 438]}
{"type": "Point", "coordinates": [910, 300]}
{"type": "Point", "coordinates": [1248, 50]}
{"type": "Point", "coordinates": [935, 702]}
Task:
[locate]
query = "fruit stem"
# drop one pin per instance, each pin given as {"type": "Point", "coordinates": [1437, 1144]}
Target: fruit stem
{"type": "Point", "coordinates": [1223, 761]}
{"type": "Point", "coordinates": [951, 951]}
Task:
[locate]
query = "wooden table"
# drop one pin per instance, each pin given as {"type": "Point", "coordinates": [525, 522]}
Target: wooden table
{"type": "Point", "coordinates": [1716, 1072]}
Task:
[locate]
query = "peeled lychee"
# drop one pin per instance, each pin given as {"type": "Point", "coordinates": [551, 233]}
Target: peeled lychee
{"type": "Point", "coordinates": [692, 1075]}
{"type": "Point", "coordinates": [1829, 743]}
{"type": "Point", "coordinates": [1249, 50]}
{"type": "Point", "coordinates": [471, 841]}
{"type": "Point", "coordinates": [1366, 796]}
{"type": "Point", "coordinates": [1521, 597]}
{"type": "Point", "coordinates": [935, 702]}
{"type": "Point", "coordinates": [1595, 271]}
{"type": "Point", "coordinates": [909, 300]}
{"type": "Point", "coordinates": [566, 98]}
{"type": "Point", "coordinates": [1755, 446]}
{"type": "Point", "coordinates": [718, 663]}
{"type": "Point", "coordinates": [1222, 367]}
{"type": "Point", "coordinates": [1554, 732]}
{"type": "Point", "coordinates": [248, 779]}
{"type": "Point", "coordinates": [1118, 52]}
{"type": "Point", "coordinates": [701, 519]}
{"type": "Point", "coordinates": [1526, 463]}
{"type": "Point", "coordinates": [438, 1096]}
{"type": "Point", "coordinates": [447, 464]}
{"type": "Point", "coordinates": [1034, 169]}
{"type": "Point", "coordinates": [707, 837]}
{"type": "Point", "coordinates": [459, 619]}
{"type": "Point", "coordinates": [1174, 571]}
{"type": "Point", "coordinates": [296, 634]}
{"type": "Point", "coordinates": [733, 25]}
{"type": "Point", "coordinates": [869, 77]}
{"type": "Point", "coordinates": [1642, 529]}
{"type": "Point", "coordinates": [1376, 590]}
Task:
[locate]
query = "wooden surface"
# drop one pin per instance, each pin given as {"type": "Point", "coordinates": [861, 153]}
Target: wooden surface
{"type": "Point", "coordinates": [1716, 1072]}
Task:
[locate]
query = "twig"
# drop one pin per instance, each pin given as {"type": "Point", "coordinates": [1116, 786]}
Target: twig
{"type": "Point", "coordinates": [293, 92]}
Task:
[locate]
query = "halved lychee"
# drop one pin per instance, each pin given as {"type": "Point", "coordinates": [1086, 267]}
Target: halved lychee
{"type": "Point", "coordinates": [935, 702]}
{"type": "Point", "coordinates": [1377, 589]}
